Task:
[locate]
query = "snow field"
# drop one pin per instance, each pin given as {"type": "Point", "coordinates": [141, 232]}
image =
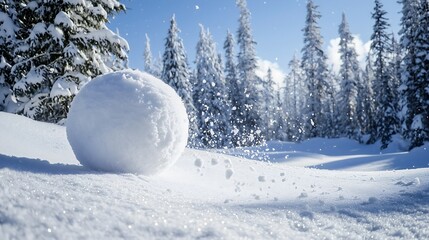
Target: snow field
{"type": "Point", "coordinates": [46, 193]}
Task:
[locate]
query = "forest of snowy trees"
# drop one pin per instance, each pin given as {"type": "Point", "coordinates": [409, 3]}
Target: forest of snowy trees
{"type": "Point", "coordinates": [49, 51]}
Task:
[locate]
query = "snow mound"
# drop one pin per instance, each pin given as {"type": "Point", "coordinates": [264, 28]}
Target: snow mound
{"type": "Point", "coordinates": [127, 121]}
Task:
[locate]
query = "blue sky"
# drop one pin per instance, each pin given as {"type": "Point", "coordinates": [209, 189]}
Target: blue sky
{"type": "Point", "coordinates": [276, 24]}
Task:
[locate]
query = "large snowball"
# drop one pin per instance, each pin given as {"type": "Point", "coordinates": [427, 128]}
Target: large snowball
{"type": "Point", "coordinates": [127, 121]}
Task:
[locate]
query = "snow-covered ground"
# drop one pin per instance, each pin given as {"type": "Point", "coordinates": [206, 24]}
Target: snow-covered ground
{"type": "Point", "coordinates": [334, 189]}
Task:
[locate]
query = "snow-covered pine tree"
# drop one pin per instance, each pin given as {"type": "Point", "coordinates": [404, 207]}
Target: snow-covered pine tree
{"type": "Point", "coordinates": [268, 113]}
{"type": "Point", "coordinates": [330, 105]}
{"type": "Point", "coordinates": [147, 56]}
{"type": "Point", "coordinates": [411, 89]}
{"type": "Point", "coordinates": [250, 129]}
{"type": "Point", "coordinates": [349, 80]}
{"type": "Point", "coordinates": [365, 108]}
{"type": "Point", "coordinates": [234, 89]}
{"type": "Point", "coordinates": [280, 118]}
{"type": "Point", "coordinates": [9, 30]}
{"type": "Point", "coordinates": [418, 117]}
{"type": "Point", "coordinates": [175, 73]}
{"type": "Point", "coordinates": [397, 56]}
{"type": "Point", "coordinates": [5, 89]}
{"type": "Point", "coordinates": [316, 71]}
{"type": "Point", "coordinates": [395, 71]}
{"type": "Point", "coordinates": [294, 100]}
{"type": "Point", "coordinates": [61, 46]}
{"type": "Point", "coordinates": [209, 93]}
{"type": "Point", "coordinates": [220, 63]}
{"type": "Point", "coordinates": [275, 119]}
{"type": "Point", "coordinates": [288, 105]}
{"type": "Point", "coordinates": [386, 116]}
{"type": "Point", "coordinates": [150, 65]}
{"type": "Point", "coordinates": [409, 24]}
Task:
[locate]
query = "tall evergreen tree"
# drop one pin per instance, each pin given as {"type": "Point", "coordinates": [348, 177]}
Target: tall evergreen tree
{"type": "Point", "coordinates": [365, 108]}
{"type": "Point", "coordinates": [175, 73]}
{"type": "Point", "coordinates": [150, 66]}
{"type": "Point", "coordinates": [250, 129]}
{"type": "Point", "coordinates": [5, 89]}
{"type": "Point", "coordinates": [147, 55]}
{"type": "Point", "coordinates": [268, 113]}
{"type": "Point", "coordinates": [9, 28]}
{"type": "Point", "coordinates": [234, 89]}
{"type": "Point", "coordinates": [210, 95]}
{"type": "Point", "coordinates": [349, 77]}
{"type": "Point", "coordinates": [280, 120]}
{"type": "Point", "coordinates": [396, 62]}
{"type": "Point", "coordinates": [414, 28]}
{"type": "Point", "coordinates": [386, 118]}
{"type": "Point", "coordinates": [330, 105]}
{"type": "Point", "coordinates": [314, 66]}
{"type": "Point", "coordinates": [294, 100]}
{"type": "Point", "coordinates": [395, 72]}
{"type": "Point", "coordinates": [409, 24]}
{"type": "Point", "coordinates": [418, 117]}
{"type": "Point", "coordinates": [61, 46]}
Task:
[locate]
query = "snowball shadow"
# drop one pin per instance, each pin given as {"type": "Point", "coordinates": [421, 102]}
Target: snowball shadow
{"type": "Point", "coordinates": [32, 165]}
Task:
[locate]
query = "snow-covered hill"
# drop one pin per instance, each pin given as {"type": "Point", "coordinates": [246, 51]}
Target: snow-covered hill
{"type": "Point", "coordinates": [46, 194]}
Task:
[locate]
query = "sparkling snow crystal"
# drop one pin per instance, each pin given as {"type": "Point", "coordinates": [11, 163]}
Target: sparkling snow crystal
{"type": "Point", "coordinates": [127, 121]}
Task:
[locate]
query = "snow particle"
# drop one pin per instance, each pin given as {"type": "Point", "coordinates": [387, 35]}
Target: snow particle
{"type": "Point", "coordinates": [417, 181]}
{"type": "Point", "coordinates": [228, 173]}
{"type": "Point", "coordinates": [372, 200]}
{"type": "Point", "coordinates": [198, 163]}
{"type": "Point", "coordinates": [303, 195]}
{"type": "Point", "coordinates": [261, 178]}
{"type": "Point", "coordinates": [228, 163]}
{"type": "Point", "coordinates": [306, 214]}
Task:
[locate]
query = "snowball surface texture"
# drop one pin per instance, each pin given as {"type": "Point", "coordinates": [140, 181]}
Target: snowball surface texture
{"type": "Point", "coordinates": [128, 122]}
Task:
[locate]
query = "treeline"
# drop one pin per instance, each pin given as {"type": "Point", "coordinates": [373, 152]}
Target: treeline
{"type": "Point", "coordinates": [230, 106]}
{"type": "Point", "coordinates": [48, 51]}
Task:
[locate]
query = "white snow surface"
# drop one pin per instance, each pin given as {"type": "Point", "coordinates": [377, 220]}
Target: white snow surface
{"type": "Point", "coordinates": [127, 121]}
{"type": "Point", "coordinates": [46, 194]}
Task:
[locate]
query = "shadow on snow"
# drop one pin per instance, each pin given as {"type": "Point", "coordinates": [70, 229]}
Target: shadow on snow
{"type": "Point", "coordinates": [412, 203]}
{"type": "Point", "coordinates": [40, 166]}
{"type": "Point", "coordinates": [336, 154]}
